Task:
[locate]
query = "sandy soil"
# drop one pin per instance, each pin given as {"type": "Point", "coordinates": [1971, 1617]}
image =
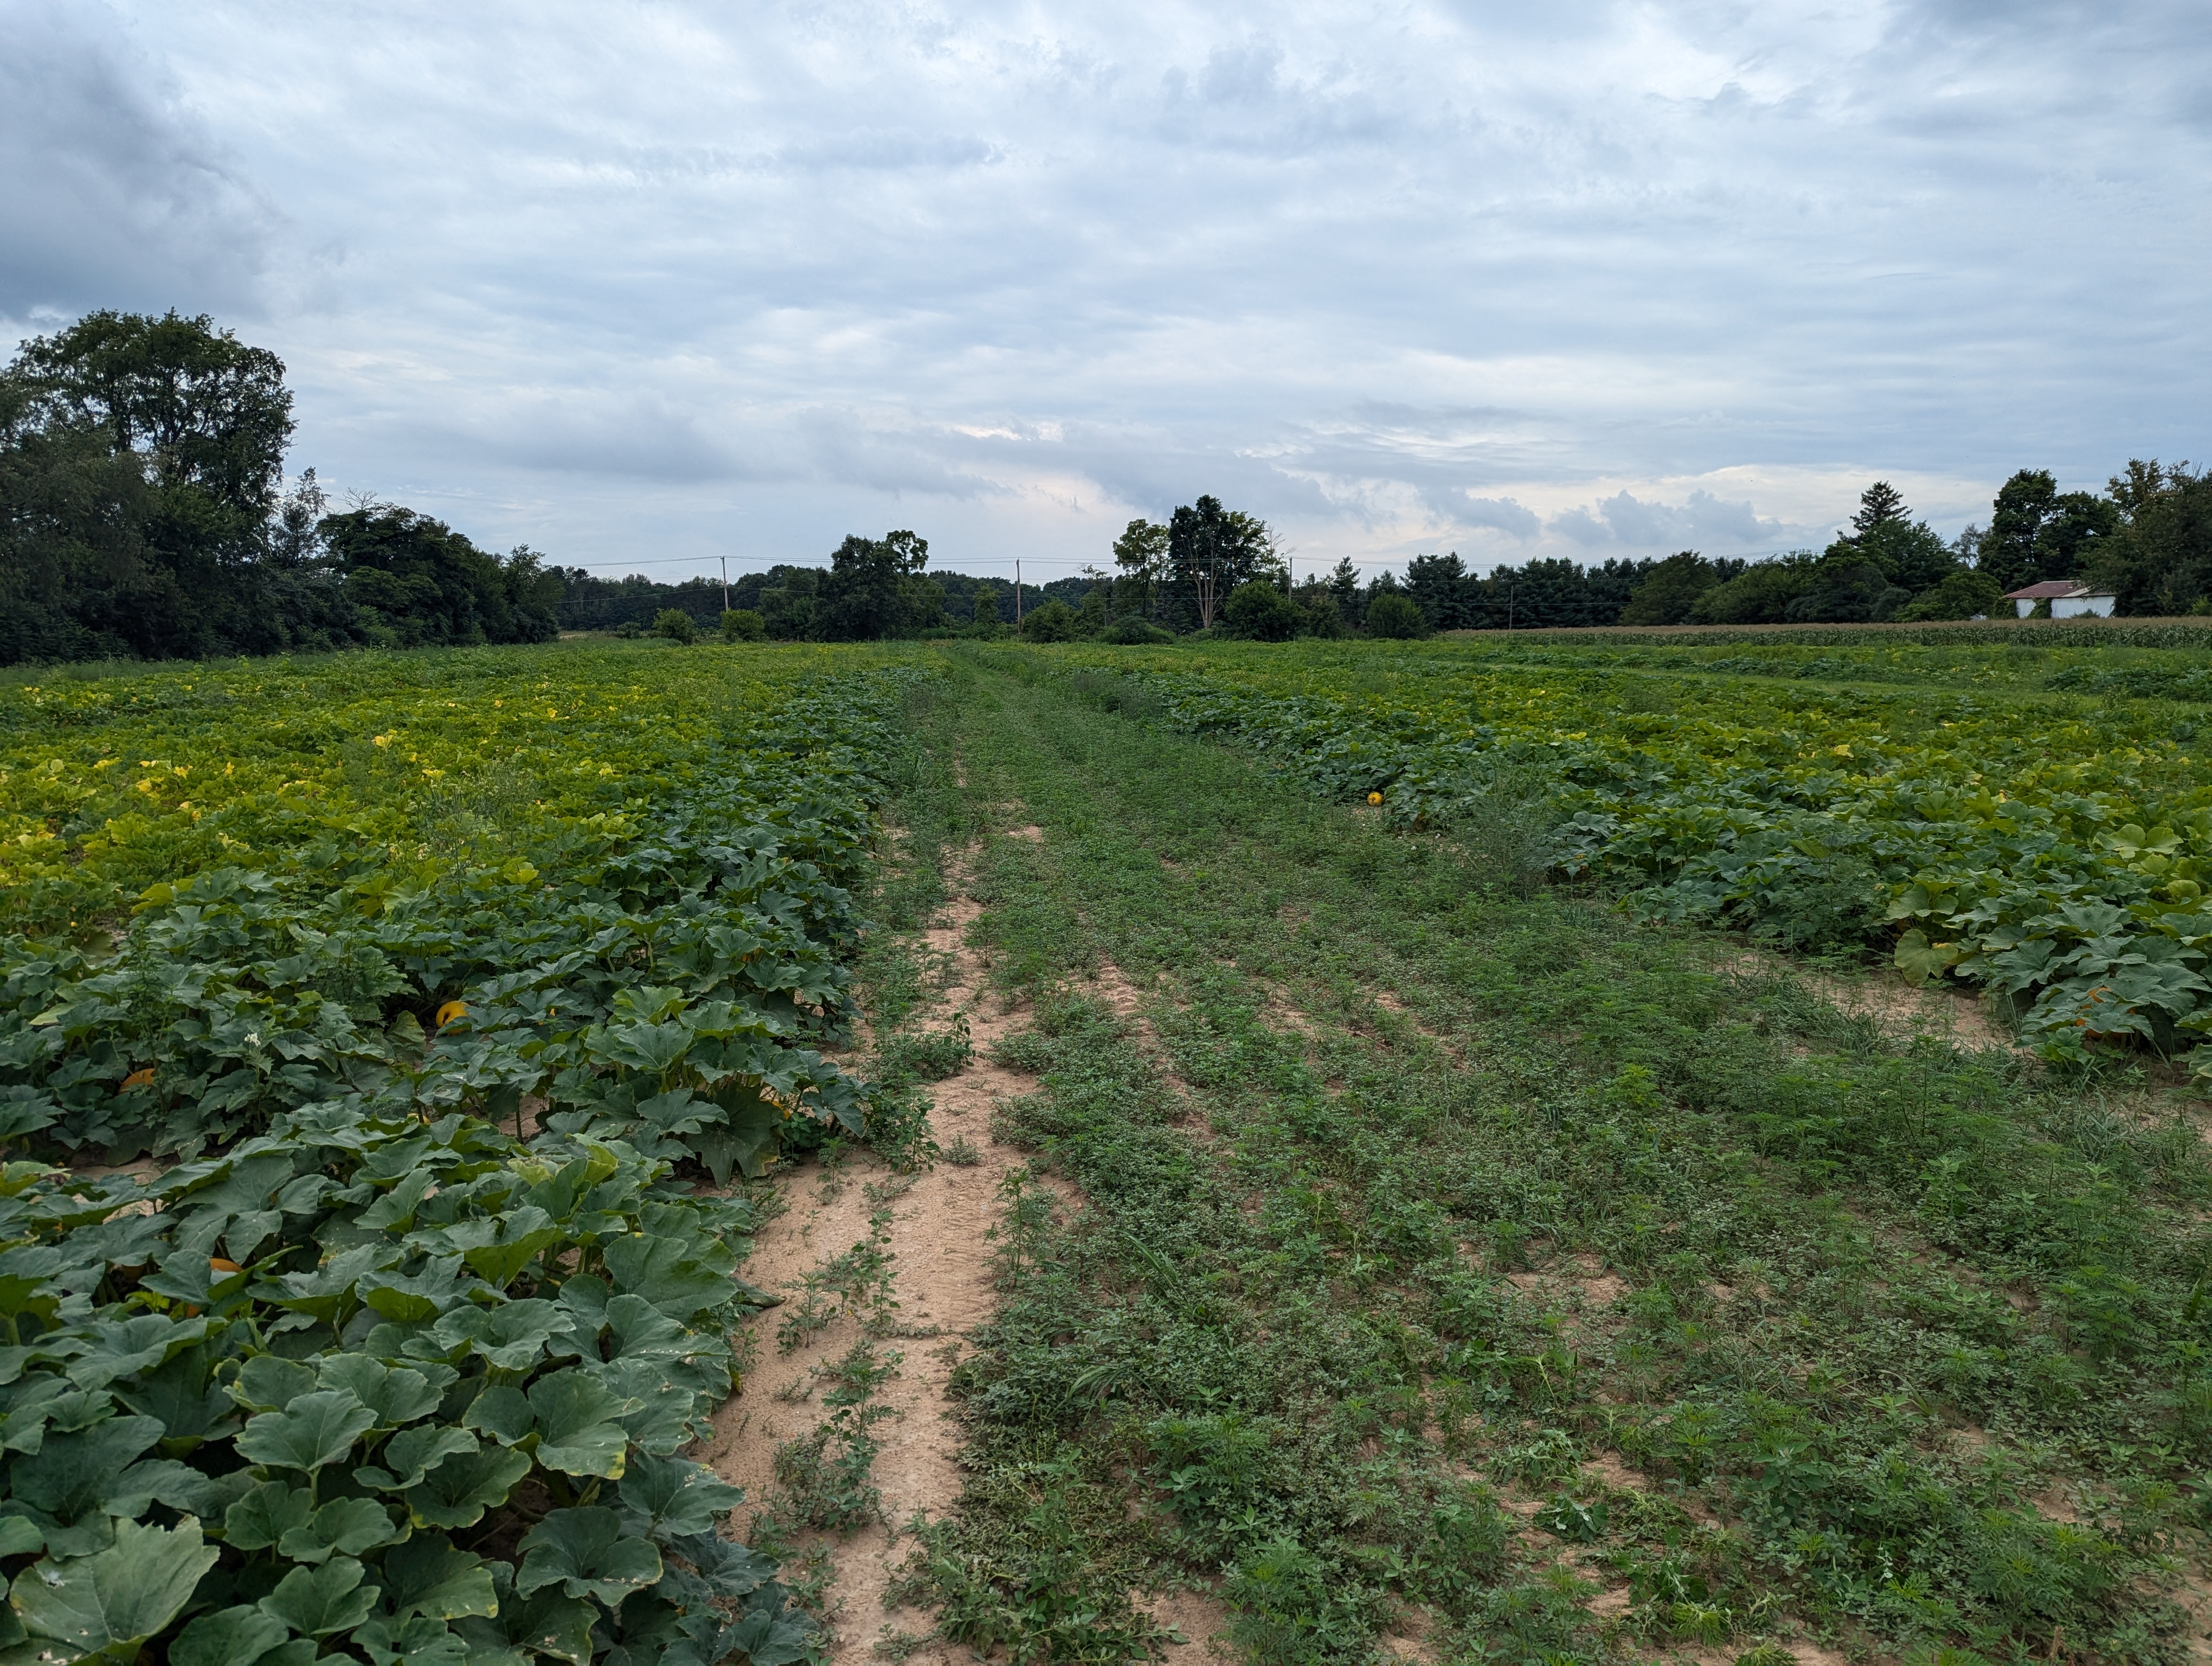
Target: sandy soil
{"type": "Point", "coordinates": [943, 1285]}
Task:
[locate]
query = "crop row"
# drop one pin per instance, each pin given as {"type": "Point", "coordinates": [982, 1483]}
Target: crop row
{"type": "Point", "coordinates": [2056, 851]}
{"type": "Point", "coordinates": [399, 1363]}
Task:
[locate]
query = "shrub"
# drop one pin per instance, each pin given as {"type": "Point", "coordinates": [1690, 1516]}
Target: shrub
{"type": "Point", "coordinates": [1258, 609]}
{"type": "Point", "coordinates": [742, 624]}
{"type": "Point", "coordinates": [1053, 623]}
{"type": "Point", "coordinates": [675, 624]}
{"type": "Point", "coordinates": [1134, 632]}
{"type": "Point", "coordinates": [1396, 617]}
{"type": "Point", "coordinates": [1961, 595]}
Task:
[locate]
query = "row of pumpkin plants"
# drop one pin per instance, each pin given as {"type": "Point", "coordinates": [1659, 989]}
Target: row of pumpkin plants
{"type": "Point", "coordinates": [399, 1362]}
{"type": "Point", "coordinates": [2057, 853]}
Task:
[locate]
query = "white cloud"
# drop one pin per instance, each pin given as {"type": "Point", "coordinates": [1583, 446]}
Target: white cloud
{"type": "Point", "coordinates": [1592, 279]}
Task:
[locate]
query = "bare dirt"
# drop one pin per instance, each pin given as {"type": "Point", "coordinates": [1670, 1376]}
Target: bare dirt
{"type": "Point", "coordinates": [943, 1276]}
{"type": "Point", "coordinates": [1894, 1006]}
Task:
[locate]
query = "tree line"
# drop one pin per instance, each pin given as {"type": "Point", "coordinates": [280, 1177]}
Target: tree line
{"type": "Point", "coordinates": [144, 513]}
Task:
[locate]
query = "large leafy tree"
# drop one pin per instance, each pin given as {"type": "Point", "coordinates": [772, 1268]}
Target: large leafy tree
{"type": "Point", "coordinates": [1907, 553]}
{"type": "Point", "coordinates": [2036, 531]}
{"type": "Point", "coordinates": [875, 588]}
{"type": "Point", "coordinates": [144, 460]}
{"type": "Point", "coordinates": [1140, 560]}
{"type": "Point", "coordinates": [1210, 550]}
{"type": "Point", "coordinates": [1667, 597]}
{"type": "Point", "coordinates": [2159, 560]}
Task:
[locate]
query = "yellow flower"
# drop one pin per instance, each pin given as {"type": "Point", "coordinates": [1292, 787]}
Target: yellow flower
{"type": "Point", "coordinates": [383, 740]}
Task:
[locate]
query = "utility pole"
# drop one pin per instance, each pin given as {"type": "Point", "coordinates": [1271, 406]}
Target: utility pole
{"type": "Point", "coordinates": [1017, 593]}
{"type": "Point", "coordinates": [725, 584]}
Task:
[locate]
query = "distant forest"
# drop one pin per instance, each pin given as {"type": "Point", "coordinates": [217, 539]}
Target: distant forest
{"type": "Point", "coordinates": [145, 513]}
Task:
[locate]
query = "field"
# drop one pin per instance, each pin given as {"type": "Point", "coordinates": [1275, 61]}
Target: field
{"type": "Point", "coordinates": [1502, 1150]}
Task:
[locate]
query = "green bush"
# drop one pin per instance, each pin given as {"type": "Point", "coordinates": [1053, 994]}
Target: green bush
{"type": "Point", "coordinates": [742, 624]}
{"type": "Point", "coordinates": [1134, 632]}
{"type": "Point", "coordinates": [1961, 595]}
{"type": "Point", "coordinates": [1396, 617]}
{"type": "Point", "coordinates": [676, 624]}
{"type": "Point", "coordinates": [1259, 611]}
{"type": "Point", "coordinates": [1053, 623]}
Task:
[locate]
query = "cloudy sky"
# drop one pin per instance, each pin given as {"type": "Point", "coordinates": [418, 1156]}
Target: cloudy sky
{"type": "Point", "coordinates": [646, 284]}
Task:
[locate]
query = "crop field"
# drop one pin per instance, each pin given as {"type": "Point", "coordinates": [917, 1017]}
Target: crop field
{"type": "Point", "coordinates": [412, 981]}
{"type": "Point", "coordinates": [1505, 1151]}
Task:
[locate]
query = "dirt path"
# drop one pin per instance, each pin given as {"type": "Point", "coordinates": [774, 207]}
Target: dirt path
{"type": "Point", "coordinates": [943, 1284]}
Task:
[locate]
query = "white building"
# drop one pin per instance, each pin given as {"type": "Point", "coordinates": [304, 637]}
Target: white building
{"type": "Point", "coordinates": [2069, 598]}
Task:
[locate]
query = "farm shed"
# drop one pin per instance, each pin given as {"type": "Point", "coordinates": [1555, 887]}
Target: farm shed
{"type": "Point", "coordinates": [2069, 598]}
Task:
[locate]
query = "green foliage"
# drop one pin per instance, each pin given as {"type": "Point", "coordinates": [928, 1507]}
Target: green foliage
{"type": "Point", "coordinates": [675, 624]}
{"type": "Point", "coordinates": [1965, 594]}
{"type": "Point", "coordinates": [385, 1368]}
{"type": "Point", "coordinates": [874, 588]}
{"type": "Point", "coordinates": [1665, 597]}
{"type": "Point", "coordinates": [1782, 1323]}
{"type": "Point", "coordinates": [742, 624]}
{"type": "Point", "coordinates": [1820, 820]}
{"type": "Point", "coordinates": [1396, 617]}
{"type": "Point", "coordinates": [416, 583]}
{"type": "Point", "coordinates": [1054, 622]}
{"type": "Point", "coordinates": [1258, 609]}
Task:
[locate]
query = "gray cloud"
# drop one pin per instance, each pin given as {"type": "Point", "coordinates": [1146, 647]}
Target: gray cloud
{"type": "Point", "coordinates": [1600, 278]}
{"type": "Point", "coordinates": [110, 193]}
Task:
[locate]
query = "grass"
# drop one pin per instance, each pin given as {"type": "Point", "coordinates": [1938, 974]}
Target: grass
{"type": "Point", "coordinates": [1483, 1264]}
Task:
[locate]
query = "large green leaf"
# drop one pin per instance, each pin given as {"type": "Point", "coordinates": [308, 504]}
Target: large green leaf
{"type": "Point", "coordinates": [242, 1636]}
{"type": "Point", "coordinates": [110, 1603]}
{"type": "Point", "coordinates": [567, 1419]}
{"type": "Point", "coordinates": [457, 1492]}
{"type": "Point", "coordinates": [497, 1249]}
{"type": "Point", "coordinates": [266, 1382]}
{"type": "Point", "coordinates": [406, 1457]}
{"type": "Point", "coordinates": [396, 1395]}
{"type": "Point", "coordinates": [420, 1641]}
{"type": "Point", "coordinates": [510, 1337]}
{"type": "Point", "coordinates": [314, 1429]}
{"type": "Point", "coordinates": [670, 1495]}
{"type": "Point", "coordinates": [124, 1347]}
{"type": "Point", "coordinates": [266, 1514]}
{"type": "Point", "coordinates": [548, 1622]}
{"type": "Point", "coordinates": [65, 1484]}
{"type": "Point", "coordinates": [320, 1601]}
{"type": "Point", "coordinates": [183, 1395]}
{"type": "Point", "coordinates": [585, 1551]}
{"type": "Point", "coordinates": [344, 1526]}
{"type": "Point", "coordinates": [426, 1575]}
{"type": "Point", "coordinates": [662, 1272]}
{"type": "Point", "coordinates": [577, 1432]}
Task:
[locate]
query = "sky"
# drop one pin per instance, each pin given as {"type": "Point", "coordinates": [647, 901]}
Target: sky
{"type": "Point", "coordinates": [647, 286]}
